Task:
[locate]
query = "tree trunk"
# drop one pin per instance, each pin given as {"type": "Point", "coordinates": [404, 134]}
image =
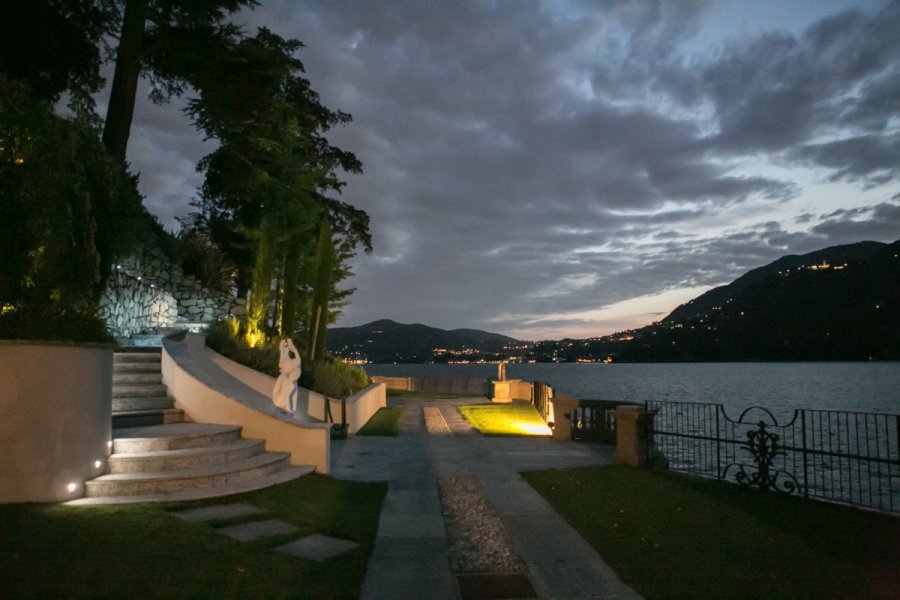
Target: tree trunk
{"type": "Point", "coordinates": [124, 87]}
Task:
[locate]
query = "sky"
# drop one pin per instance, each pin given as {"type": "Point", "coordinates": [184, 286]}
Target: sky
{"type": "Point", "coordinates": [577, 168]}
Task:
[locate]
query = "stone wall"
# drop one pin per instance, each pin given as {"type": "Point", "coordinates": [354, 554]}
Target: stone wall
{"type": "Point", "coordinates": [146, 292]}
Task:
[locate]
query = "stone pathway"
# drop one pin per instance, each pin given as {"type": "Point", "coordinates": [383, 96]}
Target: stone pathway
{"type": "Point", "coordinates": [312, 547]}
{"type": "Point", "coordinates": [444, 487]}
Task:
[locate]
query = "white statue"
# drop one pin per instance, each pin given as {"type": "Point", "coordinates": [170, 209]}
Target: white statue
{"type": "Point", "coordinates": [284, 396]}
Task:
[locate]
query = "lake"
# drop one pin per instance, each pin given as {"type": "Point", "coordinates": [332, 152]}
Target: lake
{"type": "Point", "coordinates": [780, 387]}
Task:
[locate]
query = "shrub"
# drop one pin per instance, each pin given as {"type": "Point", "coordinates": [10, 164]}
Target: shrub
{"type": "Point", "coordinates": [337, 379]}
{"type": "Point", "coordinates": [225, 339]}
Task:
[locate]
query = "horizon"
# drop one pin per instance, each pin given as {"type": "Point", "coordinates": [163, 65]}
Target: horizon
{"type": "Point", "coordinates": [573, 170]}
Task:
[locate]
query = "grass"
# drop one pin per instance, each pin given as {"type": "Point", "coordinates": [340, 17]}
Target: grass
{"type": "Point", "coordinates": [54, 551]}
{"type": "Point", "coordinates": [426, 395]}
{"type": "Point", "coordinates": [505, 419]}
{"type": "Point", "coordinates": [385, 422]}
{"type": "Point", "coordinates": [670, 536]}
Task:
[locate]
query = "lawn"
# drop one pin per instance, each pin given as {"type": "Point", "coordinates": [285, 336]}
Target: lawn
{"type": "Point", "coordinates": [385, 422]}
{"type": "Point", "coordinates": [426, 395]}
{"type": "Point", "coordinates": [670, 536]}
{"type": "Point", "coordinates": [505, 419]}
{"type": "Point", "coordinates": [54, 551]}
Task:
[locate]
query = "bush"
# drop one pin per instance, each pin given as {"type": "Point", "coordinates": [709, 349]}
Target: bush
{"type": "Point", "coordinates": [337, 379]}
{"type": "Point", "coordinates": [330, 377]}
{"type": "Point", "coordinates": [66, 326]}
{"type": "Point", "coordinates": [224, 339]}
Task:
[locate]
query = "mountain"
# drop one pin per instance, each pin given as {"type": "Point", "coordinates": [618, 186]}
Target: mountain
{"type": "Point", "coordinates": [387, 341]}
{"type": "Point", "coordinates": [840, 303]}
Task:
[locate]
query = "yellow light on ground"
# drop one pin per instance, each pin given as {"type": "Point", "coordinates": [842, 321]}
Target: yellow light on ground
{"type": "Point", "coordinates": [532, 428]}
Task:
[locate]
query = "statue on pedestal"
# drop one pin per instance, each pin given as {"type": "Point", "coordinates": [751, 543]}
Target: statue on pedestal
{"type": "Point", "coordinates": [501, 371]}
{"type": "Point", "coordinates": [284, 396]}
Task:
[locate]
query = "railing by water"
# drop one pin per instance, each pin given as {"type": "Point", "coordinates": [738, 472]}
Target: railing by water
{"type": "Point", "coordinates": [840, 456]}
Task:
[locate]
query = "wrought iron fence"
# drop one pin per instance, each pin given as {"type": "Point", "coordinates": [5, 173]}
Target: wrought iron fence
{"type": "Point", "coordinates": [841, 456]}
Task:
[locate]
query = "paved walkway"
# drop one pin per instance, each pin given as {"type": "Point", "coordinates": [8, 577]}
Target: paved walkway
{"type": "Point", "coordinates": [411, 557]}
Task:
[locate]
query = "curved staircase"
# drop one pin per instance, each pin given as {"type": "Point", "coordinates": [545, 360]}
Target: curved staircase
{"type": "Point", "coordinates": [158, 457]}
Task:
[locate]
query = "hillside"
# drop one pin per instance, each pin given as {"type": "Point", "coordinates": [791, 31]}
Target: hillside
{"type": "Point", "coordinates": [840, 303]}
{"type": "Point", "coordinates": [387, 341]}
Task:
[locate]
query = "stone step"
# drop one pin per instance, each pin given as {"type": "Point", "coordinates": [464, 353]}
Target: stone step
{"type": "Point", "coordinates": [188, 458]}
{"type": "Point", "coordinates": [175, 436]}
{"type": "Point", "coordinates": [144, 418]}
{"type": "Point", "coordinates": [131, 484]}
{"type": "Point", "coordinates": [138, 378]}
{"type": "Point", "coordinates": [141, 403]}
{"type": "Point", "coordinates": [123, 358]}
{"type": "Point", "coordinates": [278, 477]}
{"type": "Point", "coordinates": [138, 367]}
{"type": "Point", "coordinates": [138, 391]}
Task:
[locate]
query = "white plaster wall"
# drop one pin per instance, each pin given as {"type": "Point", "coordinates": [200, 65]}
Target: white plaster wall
{"type": "Point", "coordinates": [55, 418]}
{"type": "Point", "coordinates": [360, 406]}
{"type": "Point", "coordinates": [209, 394]}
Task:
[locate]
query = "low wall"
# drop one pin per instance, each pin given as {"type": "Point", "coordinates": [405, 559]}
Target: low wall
{"type": "Point", "coordinates": [360, 406]}
{"type": "Point", "coordinates": [394, 383]}
{"type": "Point", "coordinates": [210, 393]}
{"type": "Point", "coordinates": [55, 418]}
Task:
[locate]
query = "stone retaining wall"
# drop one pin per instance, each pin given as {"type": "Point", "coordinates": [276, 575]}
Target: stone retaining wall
{"type": "Point", "coordinates": [146, 292]}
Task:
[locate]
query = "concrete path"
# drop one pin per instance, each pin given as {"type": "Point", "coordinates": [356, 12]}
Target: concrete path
{"type": "Point", "coordinates": [411, 558]}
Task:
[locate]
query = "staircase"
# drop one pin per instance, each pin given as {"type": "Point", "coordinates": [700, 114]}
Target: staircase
{"type": "Point", "coordinates": [138, 394]}
{"type": "Point", "coordinates": [157, 457]}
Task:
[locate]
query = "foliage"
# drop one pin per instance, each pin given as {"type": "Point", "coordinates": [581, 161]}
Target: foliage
{"type": "Point", "coordinates": [55, 46]}
{"type": "Point", "coordinates": [264, 194]}
{"type": "Point", "coordinates": [66, 211]}
{"type": "Point", "coordinates": [231, 343]}
{"type": "Point", "coordinates": [675, 537]}
{"type": "Point", "coordinates": [505, 419]}
{"type": "Point", "coordinates": [196, 255]}
{"type": "Point", "coordinates": [53, 551]}
{"type": "Point", "coordinates": [384, 423]}
{"type": "Point", "coordinates": [337, 379]}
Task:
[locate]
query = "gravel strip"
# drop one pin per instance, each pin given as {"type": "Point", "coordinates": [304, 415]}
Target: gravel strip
{"type": "Point", "coordinates": [477, 540]}
{"type": "Point", "coordinates": [434, 421]}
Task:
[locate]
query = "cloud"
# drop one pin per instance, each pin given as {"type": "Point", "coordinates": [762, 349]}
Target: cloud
{"type": "Point", "coordinates": [529, 163]}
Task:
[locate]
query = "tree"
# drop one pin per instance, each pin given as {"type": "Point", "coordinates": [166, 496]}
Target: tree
{"type": "Point", "coordinates": [167, 41]}
{"type": "Point", "coordinates": [269, 178]}
{"type": "Point", "coordinates": [55, 47]}
{"type": "Point", "coordinates": [66, 211]}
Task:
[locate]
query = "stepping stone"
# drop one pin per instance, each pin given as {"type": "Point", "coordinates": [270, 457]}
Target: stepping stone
{"type": "Point", "coordinates": [254, 530]}
{"type": "Point", "coordinates": [219, 511]}
{"type": "Point", "coordinates": [317, 547]}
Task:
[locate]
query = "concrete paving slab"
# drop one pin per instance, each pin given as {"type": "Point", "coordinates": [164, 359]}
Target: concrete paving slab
{"type": "Point", "coordinates": [255, 530]}
{"type": "Point", "coordinates": [218, 511]}
{"type": "Point", "coordinates": [411, 558]}
{"type": "Point", "coordinates": [404, 579]}
{"type": "Point", "coordinates": [317, 547]}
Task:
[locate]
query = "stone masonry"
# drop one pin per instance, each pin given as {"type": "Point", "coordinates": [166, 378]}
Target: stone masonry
{"type": "Point", "coordinates": [146, 292]}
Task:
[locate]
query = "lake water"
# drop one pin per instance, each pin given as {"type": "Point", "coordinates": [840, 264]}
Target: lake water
{"type": "Point", "coordinates": [780, 387]}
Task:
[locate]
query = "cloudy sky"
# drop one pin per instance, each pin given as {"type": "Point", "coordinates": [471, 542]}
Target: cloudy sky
{"type": "Point", "coordinates": [551, 169]}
